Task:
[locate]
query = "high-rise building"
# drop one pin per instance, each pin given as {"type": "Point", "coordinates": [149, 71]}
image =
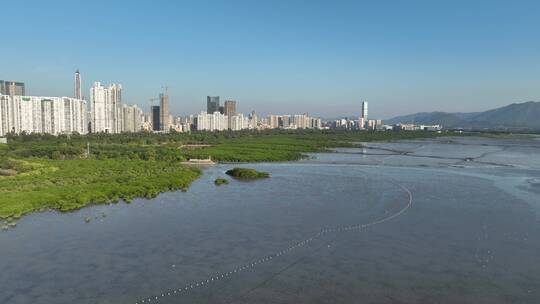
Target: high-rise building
{"type": "Point", "coordinates": [12, 88]}
{"type": "Point", "coordinates": [363, 119]}
{"type": "Point", "coordinates": [75, 119]}
{"type": "Point", "coordinates": [365, 110]}
{"type": "Point", "coordinates": [37, 114]}
{"type": "Point", "coordinates": [212, 104]}
{"type": "Point", "coordinates": [211, 122]}
{"type": "Point", "coordinates": [253, 120]}
{"type": "Point", "coordinates": [78, 92]}
{"type": "Point", "coordinates": [133, 118]}
{"type": "Point", "coordinates": [115, 108]}
{"type": "Point", "coordinates": [361, 123]}
{"type": "Point", "coordinates": [296, 121]}
{"type": "Point", "coordinates": [106, 108]}
{"type": "Point", "coordinates": [238, 122]}
{"type": "Point", "coordinates": [164, 112]}
{"type": "Point", "coordinates": [229, 109]}
{"type": "Point", "coordinates": [99, 97]}
{"type": "Point", "coordinates": [273, 121]}
{"type": "Point", "coordinates": [3, 89]}
{"type": "Point", "coordinates": [156, 115]}
{"type": "Point", "coordinates": [372, 124]}
{"type": "Point", "coordinates": [299, 121]}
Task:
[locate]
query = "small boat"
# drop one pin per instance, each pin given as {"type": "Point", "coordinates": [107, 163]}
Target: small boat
{"type": "Point", "coordinates": [195, 161]}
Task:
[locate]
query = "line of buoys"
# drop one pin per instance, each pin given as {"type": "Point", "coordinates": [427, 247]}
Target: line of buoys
{"type": "Point", "coordinates": [308, 240]}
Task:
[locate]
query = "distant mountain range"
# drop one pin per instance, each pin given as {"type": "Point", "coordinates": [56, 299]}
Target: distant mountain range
{"type": "Point", "coordinates": [515, 116]}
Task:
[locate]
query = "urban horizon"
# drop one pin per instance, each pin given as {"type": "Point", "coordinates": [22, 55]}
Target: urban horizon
{"type": "Point", "coordinates": [147, 102]}
{"type": "Point", "coordinates": [106, 112]}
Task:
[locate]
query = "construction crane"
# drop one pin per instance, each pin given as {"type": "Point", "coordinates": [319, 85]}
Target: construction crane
{"type": "Point", "coordinates": [151, 102]}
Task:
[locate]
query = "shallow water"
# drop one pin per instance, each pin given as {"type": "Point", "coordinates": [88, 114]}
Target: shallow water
{"type": "Point", "coordinates": [471, 234]}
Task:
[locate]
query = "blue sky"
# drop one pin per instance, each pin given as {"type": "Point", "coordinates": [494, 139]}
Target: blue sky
{"type": "Point", "coordinates": [321, 57]}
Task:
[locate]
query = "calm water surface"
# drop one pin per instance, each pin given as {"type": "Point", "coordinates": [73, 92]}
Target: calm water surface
{"type": "Point", "coordinates": [471, 234]}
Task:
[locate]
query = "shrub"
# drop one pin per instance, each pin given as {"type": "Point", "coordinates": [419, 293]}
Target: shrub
{"type": "Point", "coordinates": [246, 173]}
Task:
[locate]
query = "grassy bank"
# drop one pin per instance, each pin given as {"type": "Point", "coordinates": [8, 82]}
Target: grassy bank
{"type": "Point", "coordinates": [69, 185]}
{"type": "Point", "coordinates": [40, 172]}
{"type": "Point", "coordinates": [287, 146]}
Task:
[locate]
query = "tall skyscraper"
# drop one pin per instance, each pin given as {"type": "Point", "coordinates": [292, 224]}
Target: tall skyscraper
{"type": "Point", "coordinates": [106, 108]}
{"type": "Point", "coordinates": [229, 109]}
{"type": "Point", "coordinates": [156, 115]}
{"type": "Point", "coordinates": [365, 110]}
{"type": "Point", "coordinates": [164, 112]}
{"type": "Point", "coordinates": [78, 92]}
{"type": "Point", "coordinates": [253, 119]}
{"type": "Point", "coordinates": [132, 118]}
{"type": "Point", "coordinates": [12, 88]}
{"type": "Point", "coordinates": [115, 108]}
{"type": "Point", "coordinates": [212, 104]}
{"type": "Point", "coordinates": [100, 116]}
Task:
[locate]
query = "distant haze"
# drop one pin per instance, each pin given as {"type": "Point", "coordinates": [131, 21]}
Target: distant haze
{"type": "Point", "coordinates": [517, 115]}
{"type": "Point", "coordinates": [319, 57]}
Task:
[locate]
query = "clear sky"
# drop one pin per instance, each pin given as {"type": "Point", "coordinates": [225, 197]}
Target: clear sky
{"type": "Point", "coordinates": [320, 57]}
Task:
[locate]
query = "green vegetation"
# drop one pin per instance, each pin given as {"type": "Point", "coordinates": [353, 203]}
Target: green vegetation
{"type": "Point", "coordinates": [287, 145]}
{"type": "Point", "coordinates": [221, 181]}
{"type": "Point", "coordinates": [246, 173]}
{"type": "Point", "coordinates": [69, 185]}
{"type": "Point", "coordinates": [44, 172]}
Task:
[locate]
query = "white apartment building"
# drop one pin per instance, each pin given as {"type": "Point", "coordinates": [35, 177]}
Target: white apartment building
{"type": "Point", "coordinates": [373, 124]}
{"type": "Point", "coordinates": [133, 118]}
{"type": "Point", "coordinates": [212, 122]}
{"type": "Point", "coordinates": [100, 116]}
{"type": "Point", "coordinates": [239, 122]}
{"type": "Point", "coordinates": [117, 117]}
{"type": "Point", "coordinates": [297, 121]}
{"type": "Point", "coordinates": [219, 122]}
{"type": "Point", "coordinates": [253, 120]}
{"type": "Point", "coordinates": [106, 108]}
{"type": "Point", "coordinates": [37, 114]}
{"type": "Point", "coordinates": [75, 115]}
{"type": "Point", "coordinates": [273, 121]}
{"type": "Point", "coordinates": [361, 123]}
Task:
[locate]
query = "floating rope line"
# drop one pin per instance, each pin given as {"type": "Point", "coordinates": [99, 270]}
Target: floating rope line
{"type": "Point", "coordinates": [324, 231]}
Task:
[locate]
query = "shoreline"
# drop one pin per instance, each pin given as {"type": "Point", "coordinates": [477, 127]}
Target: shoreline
{"type": "Point", "coordinates": [77, 183]}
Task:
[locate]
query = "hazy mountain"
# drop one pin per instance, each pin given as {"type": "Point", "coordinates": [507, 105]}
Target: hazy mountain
{"type": "Point", "coordinates": [517, 115]}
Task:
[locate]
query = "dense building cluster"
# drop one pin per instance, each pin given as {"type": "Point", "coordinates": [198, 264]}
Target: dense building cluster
{"type": "Point", "coordinates": [37, 114]}
{"type": "Point", "coordinates": [219, 122]}
{"type": "Point", "coordinates": [106, 112]}
{"type": "Point", "coordinates": [295, 121]}
{"type": "Point", "coordinates": [109, 114]}
{"type": "Point", "coordinates": [218, 118]}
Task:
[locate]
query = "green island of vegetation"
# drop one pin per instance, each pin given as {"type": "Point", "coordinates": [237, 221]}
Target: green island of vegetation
{"type": "Point", "coordinates": [45, 172]}
{"type": "Point", "coordinates": [221, 181]}
{"type": "Point", "coordinates": [246, 173]}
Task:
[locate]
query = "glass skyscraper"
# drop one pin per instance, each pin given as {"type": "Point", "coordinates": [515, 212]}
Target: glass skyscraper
{"type": "Point", "coordinates": [212, 104]}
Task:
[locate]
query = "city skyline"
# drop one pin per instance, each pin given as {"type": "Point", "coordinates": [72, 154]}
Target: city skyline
{"type": "Point", "coordinates": [115, 92]}
{"type": "Point", "coordinates": [405, 57]}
